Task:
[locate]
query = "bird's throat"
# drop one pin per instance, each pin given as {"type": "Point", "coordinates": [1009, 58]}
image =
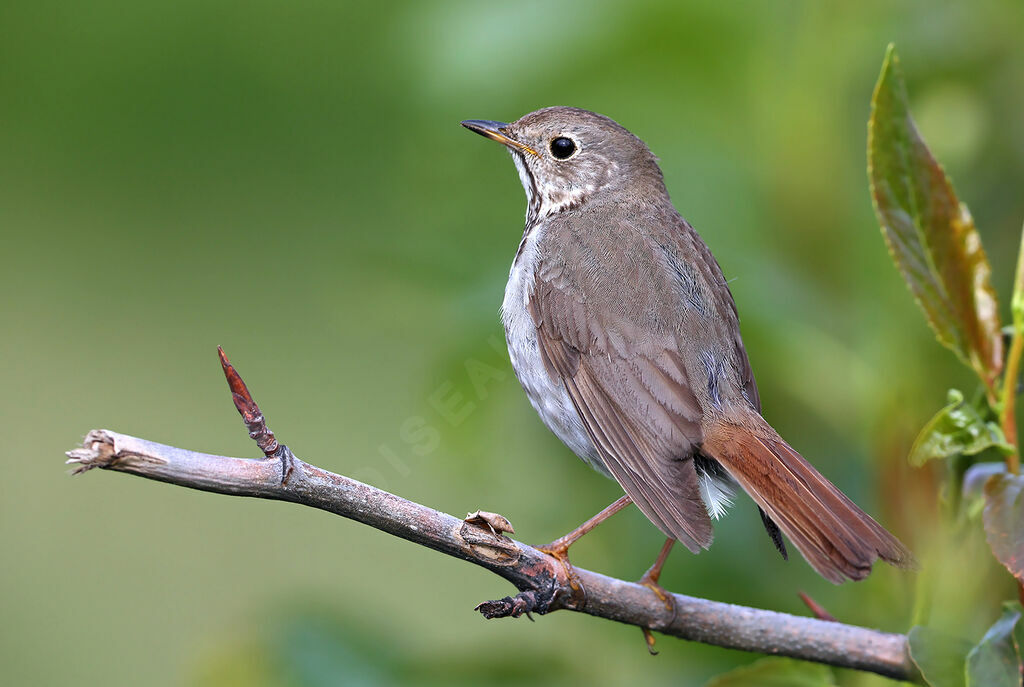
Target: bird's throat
{"type": "Point", "coordinates": [533, 204]}
{"type": "Point", "coordinates": [544, 200]}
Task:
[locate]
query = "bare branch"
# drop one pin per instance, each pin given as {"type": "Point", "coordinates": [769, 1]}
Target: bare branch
{"type": "Point", "coordinates": [541, 580]}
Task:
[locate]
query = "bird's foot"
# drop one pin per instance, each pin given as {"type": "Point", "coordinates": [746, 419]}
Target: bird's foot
{"type": "Point", "coordinates": [649, 640]}
{"type": "Point", "coordinates": [559, 550]}
{"type": "Point", "coordinates": [665, 596]}
{"type": "Point", "coordinates": [650, 580]}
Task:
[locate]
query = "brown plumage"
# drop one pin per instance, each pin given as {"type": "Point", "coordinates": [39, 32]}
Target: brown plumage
{"type": "Point", "coordinates": [624, 334]}
{"type": "Point", "coordinates": [836, 537]}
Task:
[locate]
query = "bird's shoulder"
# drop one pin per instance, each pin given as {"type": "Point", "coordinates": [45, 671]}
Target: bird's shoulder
{"type": "Point", "coordinates": [628, 263]}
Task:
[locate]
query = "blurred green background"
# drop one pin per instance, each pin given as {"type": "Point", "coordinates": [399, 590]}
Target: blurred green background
{"type": "Point", "coordinates": [289, 180]}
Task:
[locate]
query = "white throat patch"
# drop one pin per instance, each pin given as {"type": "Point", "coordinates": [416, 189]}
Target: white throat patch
{"type": "Point", "coordinates": [545, 201]}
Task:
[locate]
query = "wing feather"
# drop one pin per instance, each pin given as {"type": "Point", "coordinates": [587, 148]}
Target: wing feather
{"type": "Point", "coordinates": [637, 408]}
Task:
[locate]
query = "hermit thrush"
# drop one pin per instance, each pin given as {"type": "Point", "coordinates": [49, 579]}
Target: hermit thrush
{"type": "Point", "coordinates": [624, 334]}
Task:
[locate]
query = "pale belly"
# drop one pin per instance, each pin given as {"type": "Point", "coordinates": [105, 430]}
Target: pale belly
{"type": "Point", "coordinates": [548, 397]}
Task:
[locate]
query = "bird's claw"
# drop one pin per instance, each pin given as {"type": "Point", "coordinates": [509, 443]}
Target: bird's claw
{"type": "Point", "coordinates": [649, 640]}
{"type": "Point", "coordinates": [650, 580]}
{"type": "Point", "coordinates": [560, 552]}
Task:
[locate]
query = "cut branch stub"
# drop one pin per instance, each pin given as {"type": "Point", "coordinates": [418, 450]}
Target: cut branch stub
{"type": "Point", "coordinates": [495, 522]}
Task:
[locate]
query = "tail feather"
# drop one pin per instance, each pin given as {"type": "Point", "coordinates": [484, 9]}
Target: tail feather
{"type": "Point", "coordinates": [836, 537]}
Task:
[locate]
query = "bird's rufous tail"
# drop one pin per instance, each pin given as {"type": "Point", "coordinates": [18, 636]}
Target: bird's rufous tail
{"type": "Point", "coordinates": [836, 537]}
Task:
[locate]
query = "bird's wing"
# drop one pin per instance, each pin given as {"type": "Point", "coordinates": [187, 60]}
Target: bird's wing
{"type": "Point", "coordinates": [686, 254]}
{"type": "Point", "coordinates": [635, 400]}
{"type": "Point", "coordinates": [679, 242]}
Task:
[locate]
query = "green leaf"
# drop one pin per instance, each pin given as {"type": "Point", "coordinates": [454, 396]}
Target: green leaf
{"type": "Point", "coordinates": [1004, 521]}
{"type": "Point", "coordinates": [930, 234]}
{"type": "Point", "coordinates": [995, 661]}
{"type": "Point", "coordinates": [776, 672]}
{"type": "Point", "coordinates": [957, 429]}
{"type": "Point", "coordinates": [938, 656]}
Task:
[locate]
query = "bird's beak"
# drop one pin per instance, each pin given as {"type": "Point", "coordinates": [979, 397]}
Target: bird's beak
{"type": "Point", "coordinates": [496, 131]}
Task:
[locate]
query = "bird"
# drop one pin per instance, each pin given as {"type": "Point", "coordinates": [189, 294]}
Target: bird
{"type": "Point", "coordinates": [623, 332]}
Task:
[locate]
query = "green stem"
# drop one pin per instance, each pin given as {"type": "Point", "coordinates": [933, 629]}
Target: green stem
{"type": "Point", "coordinates": [1008, 412]}
{"type": "Point", "coordinates": [1008, 417]}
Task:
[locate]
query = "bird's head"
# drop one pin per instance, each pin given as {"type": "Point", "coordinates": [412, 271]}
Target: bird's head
{"type": "Point", "coordinates": [567, 156]}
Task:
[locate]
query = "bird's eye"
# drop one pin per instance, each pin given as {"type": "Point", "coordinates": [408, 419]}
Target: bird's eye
{"type": "Point", "coordinates": [562, 147]}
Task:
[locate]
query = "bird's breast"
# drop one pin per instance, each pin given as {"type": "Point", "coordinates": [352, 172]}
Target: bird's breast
{"type": "Point", "coordinates": [548, 396]}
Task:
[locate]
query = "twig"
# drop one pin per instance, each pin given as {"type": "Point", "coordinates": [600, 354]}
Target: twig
{"type": "Point", "coordinates": [816, 608]}
{"type": "Point", "coordinates": [541, 580]}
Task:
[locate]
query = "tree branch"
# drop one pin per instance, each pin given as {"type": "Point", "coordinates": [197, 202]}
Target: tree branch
{"type": "Point", "coordinates": [542, 582]}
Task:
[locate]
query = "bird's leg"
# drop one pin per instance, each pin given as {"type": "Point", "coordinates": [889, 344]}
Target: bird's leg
{"type": "Point", "coordinates": [560, 547]}
{"type": "Point", "coordinates": [650, 580]}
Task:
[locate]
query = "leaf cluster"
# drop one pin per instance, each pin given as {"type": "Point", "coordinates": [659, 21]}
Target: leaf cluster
{"type": "Point", "coordinates": [937, 248]}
